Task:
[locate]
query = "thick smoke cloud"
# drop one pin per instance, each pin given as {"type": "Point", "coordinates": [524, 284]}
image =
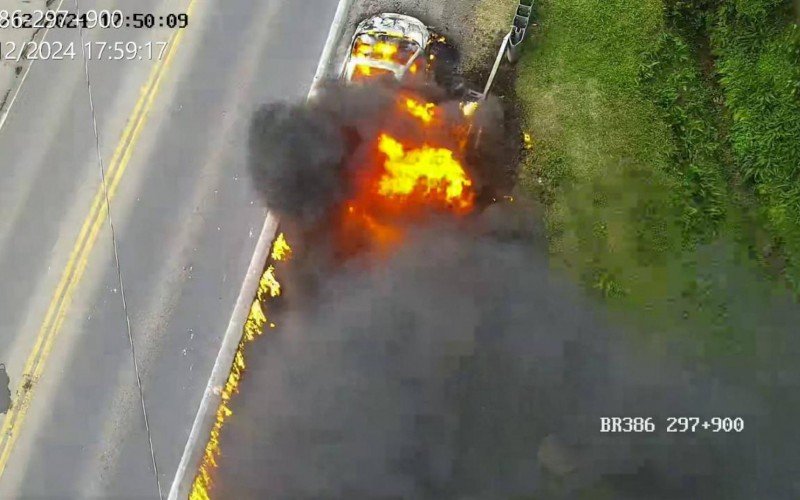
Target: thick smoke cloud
{"type": "Point", "coordinates": [463, 367]}
{"type": "Point", "coordinates": [295, 160]}
{"type": "Point", "coordinates": [303, 159]}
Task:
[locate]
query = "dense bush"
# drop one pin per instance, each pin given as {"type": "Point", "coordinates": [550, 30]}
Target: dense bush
{"type": "Point", "coordinates": [757, 48]}
{"type": "Point", "coordinates": [690, 18]}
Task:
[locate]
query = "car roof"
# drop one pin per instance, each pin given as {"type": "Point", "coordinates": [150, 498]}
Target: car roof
{"type": "Point", "coordinates": [397, 24]}
{"type": "Point", "coordinates": [388, 24]}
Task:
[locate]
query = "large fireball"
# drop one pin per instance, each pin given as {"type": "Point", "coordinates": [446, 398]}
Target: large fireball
{"type": "Point", "coordinates": [404, 181]}
{"type": "Point", "coordinates": [428, 173]}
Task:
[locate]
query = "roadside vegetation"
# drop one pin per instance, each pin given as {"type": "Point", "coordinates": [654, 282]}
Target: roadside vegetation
{"type": "Point", "coordinates": [757, 49]}
{"type": "Point", "coordinates": [666, 152]}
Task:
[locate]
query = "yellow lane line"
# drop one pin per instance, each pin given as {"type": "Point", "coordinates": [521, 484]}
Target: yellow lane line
{"type": "Point", "coordinates": [76, 265]}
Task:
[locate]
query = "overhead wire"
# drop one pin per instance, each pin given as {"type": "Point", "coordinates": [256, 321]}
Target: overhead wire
{"type": "Point", "coordinates": [117, 260]}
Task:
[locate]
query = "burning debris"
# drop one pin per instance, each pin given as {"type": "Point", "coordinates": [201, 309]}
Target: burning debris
{"type": "Point", "coordinates": [422, 111]}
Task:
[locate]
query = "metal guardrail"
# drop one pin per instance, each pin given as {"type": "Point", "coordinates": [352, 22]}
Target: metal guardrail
{"type": "Point", "coordinates": [512, 42]}
{"type": "Point", "coordinates": [519, 28]}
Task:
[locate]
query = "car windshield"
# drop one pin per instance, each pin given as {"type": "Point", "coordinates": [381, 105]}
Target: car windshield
{"type": "Point", "coordinates": [385, 47]}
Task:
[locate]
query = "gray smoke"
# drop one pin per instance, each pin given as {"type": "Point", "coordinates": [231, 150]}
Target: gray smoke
{"type": "Point", "coordinates": [464, 368]}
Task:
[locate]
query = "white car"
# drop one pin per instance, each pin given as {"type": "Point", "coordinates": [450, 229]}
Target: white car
{"type": "Point", "coordinates": [387, 44]}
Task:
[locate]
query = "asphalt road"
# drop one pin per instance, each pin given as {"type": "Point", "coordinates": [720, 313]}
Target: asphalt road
{"type": "Point", "coordinates": [186, 222]}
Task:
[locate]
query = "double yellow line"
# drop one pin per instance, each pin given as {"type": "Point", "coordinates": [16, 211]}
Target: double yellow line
{"type": "Point", "coordinates": [76, 265]}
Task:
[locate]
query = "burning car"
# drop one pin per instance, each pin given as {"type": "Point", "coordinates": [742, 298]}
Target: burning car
{"type": "Point", "coordinates": [391, 45]}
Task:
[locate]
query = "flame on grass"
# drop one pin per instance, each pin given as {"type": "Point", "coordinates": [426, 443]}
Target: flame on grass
{"type": "Point", "coordinates": [269, 287]}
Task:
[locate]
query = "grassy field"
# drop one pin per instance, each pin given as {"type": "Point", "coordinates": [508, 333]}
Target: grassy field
{"type": "Point", "coordinates": [641, 166]}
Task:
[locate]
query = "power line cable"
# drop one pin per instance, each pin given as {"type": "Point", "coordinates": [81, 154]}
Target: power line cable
{"type": "Point", "coordinates": [116, 259]}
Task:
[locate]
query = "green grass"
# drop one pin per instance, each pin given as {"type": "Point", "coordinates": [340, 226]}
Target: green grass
{"type": "Point", "coordinates": [601, 151]}
{"type": "Point", "coordinates": [757, 43]}
{"type": "Point", "coordinates": [667, 155]}
{"type": "Point", "coordinates": [671, 78]}
{"type": "Point", "coordinates": [638, 164]}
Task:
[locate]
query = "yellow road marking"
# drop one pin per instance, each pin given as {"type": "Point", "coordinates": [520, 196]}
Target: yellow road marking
{"type": "Point", "coordinates": [76, 265]}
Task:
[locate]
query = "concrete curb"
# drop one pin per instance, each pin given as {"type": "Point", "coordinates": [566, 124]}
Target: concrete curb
{"type": "Point", "coordinates": [12, 92]}
{"type": "Point", "coordinates": [206, 413]}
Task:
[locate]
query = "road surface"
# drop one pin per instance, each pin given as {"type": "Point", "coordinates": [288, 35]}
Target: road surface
{"type": "Point", "coordinates": [186, 222]}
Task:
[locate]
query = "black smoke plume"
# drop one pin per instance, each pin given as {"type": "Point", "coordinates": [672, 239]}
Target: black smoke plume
{"type": "Point", "coordinates": [296, 160]}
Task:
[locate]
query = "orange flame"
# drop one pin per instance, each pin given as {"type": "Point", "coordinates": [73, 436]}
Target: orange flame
{"type": "Point", "coordinates": [364, 71]}
{"type": "Point", "coordinates": [403, 181]}
{"type": "Point", "coordinates": [424, 112]}
{"type": "Point", "coordinates": [382, 51]}
{"type": "Point", "coordinates": [268, 288]}
{"type": "Point", "coordinates": [432, 172]}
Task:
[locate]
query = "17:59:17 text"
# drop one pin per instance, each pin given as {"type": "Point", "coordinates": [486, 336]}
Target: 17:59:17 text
{"type": "Point", "coordinates": [110, 51]}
